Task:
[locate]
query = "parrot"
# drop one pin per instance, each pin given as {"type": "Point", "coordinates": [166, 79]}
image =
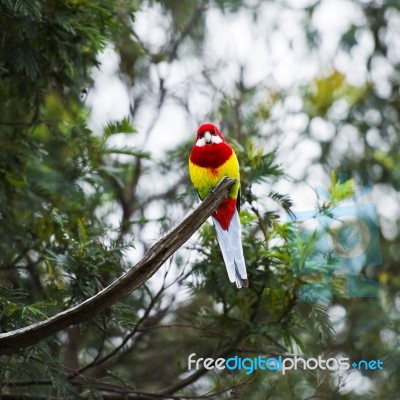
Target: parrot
{"type": "Point", "coordinates": [210, 160]}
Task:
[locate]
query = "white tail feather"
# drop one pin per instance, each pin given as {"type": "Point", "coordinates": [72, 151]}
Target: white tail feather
{"type": "Point", "coordinates": [231, 247]}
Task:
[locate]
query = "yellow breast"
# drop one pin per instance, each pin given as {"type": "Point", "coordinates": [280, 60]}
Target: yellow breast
{"type": "Point", "coordinates": [204, 179]}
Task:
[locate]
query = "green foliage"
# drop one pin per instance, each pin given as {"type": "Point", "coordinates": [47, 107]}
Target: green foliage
{"type": "Point", "coordinates": [326, 90]}
{"type": "Point", "coordinates": [338, 191]}
{"type": "Point", "coordinates": [55, 42]}
{"type": "Point", "coordinates": [259, 167]}
{"type": "Point", "coordinates": [123, 126]}
{"type": "Point", "coordinates": [57, 248]}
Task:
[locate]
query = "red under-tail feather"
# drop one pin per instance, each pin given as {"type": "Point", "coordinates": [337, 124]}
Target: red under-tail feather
{"type": "Point", "coordinates": [224, 212]}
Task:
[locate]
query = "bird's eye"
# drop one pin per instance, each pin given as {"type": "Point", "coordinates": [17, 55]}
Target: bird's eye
{"type": "Point", "coordinates": [214, 132]}
{"type": "Point", "coordinates": [201, 135]}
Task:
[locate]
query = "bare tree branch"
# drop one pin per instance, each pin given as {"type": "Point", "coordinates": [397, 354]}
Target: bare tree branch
{"type": "Point", "coordinates": [174, 45]}
{"type": "Point", "coordinates": [123, 286]}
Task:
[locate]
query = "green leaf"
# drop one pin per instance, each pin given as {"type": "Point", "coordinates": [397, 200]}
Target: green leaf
{"type": "Point", "coordinates": [123, 126]}
{"type": "Point", "coordinates": [339, 191]}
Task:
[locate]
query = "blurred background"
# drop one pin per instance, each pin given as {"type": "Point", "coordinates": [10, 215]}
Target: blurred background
{"type": "Point", "coordinates": [100, 103]}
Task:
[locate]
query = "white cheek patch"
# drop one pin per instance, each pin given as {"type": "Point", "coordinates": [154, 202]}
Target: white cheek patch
{"type": "Point", "coordinates": [201, 142]}
{"type": "Point", "coordinates": [216, 139]}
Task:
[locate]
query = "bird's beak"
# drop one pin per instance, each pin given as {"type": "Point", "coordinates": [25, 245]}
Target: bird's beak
{"type": "Point", "coordinates": [207, 137]}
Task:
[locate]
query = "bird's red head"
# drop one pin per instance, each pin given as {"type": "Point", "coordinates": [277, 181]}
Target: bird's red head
{"type": "Point", "coordinates": [208, 133]}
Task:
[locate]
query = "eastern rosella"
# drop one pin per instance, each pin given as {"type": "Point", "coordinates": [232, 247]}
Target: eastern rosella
{"type": "Point", "coordinates": [210, 160]}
